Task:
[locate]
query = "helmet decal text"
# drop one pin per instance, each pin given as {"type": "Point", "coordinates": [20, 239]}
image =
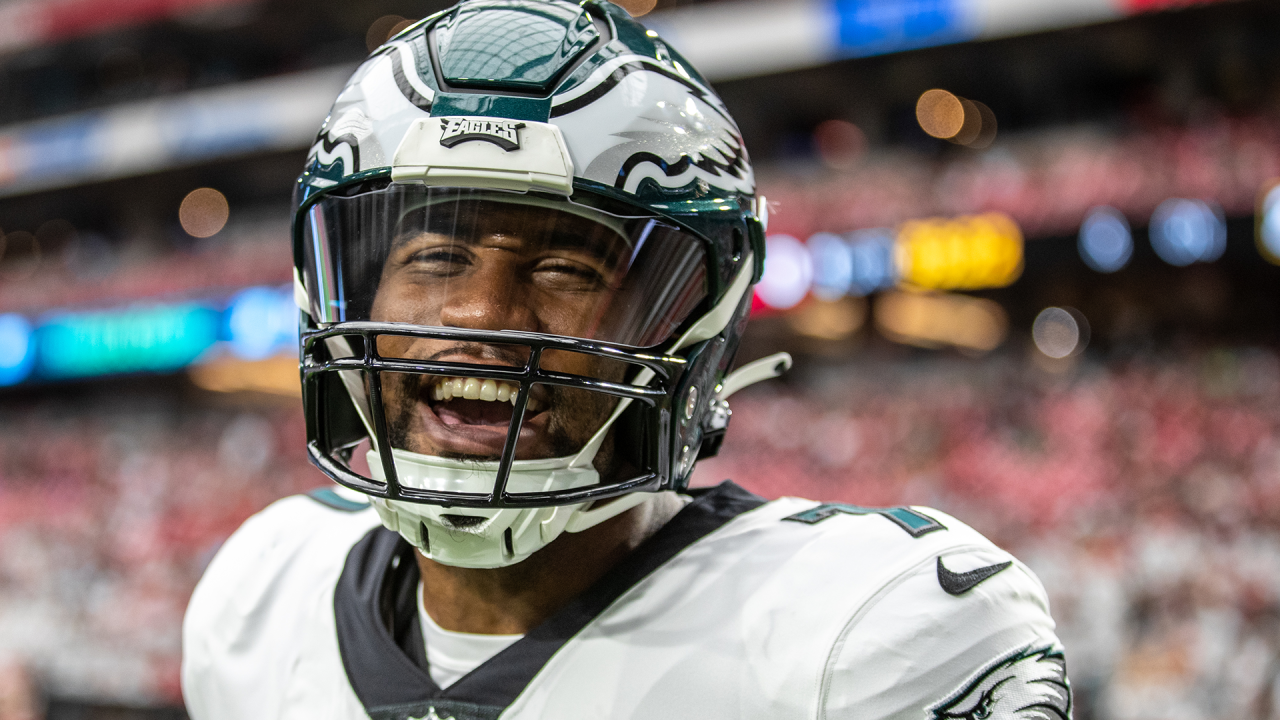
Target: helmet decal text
{"type": "Point", "coordinates": [503, 133]}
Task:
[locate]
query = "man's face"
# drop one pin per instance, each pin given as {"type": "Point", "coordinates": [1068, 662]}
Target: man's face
{"type": "Point", "coordinates": [497, 267]}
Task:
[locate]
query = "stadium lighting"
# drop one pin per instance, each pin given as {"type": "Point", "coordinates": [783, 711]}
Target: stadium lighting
{"type": "Point", "coordinates": [874, 262]}
{"type": "Point", "coordinates": [1060, 332]}
{"type": "Point", "coordinates": [262, 322]}
{"type": "Point", "coordinates": [1106, 243]}
{"type": "Point", "coordinates": [788, 273]}
{"type": "Point", "coordinates": [203, 212]}
{"type": "Point", "coordinates": [833, 269]}
{"type": "Point", "coordinates": [935, 320]}
{"type": "Point", "coordinates": [17, 351]}
{"type": "Point", "coordinates": [965, 253]}
{"type": "Point", "coordinates": [1269, 225]}
{"type": "Point", "coordinates": [1188, 231]}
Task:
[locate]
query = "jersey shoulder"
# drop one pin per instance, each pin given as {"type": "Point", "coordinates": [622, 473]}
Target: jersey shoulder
{"type": "Point", "coordinates": [268, 587]}
{"type": "Point", "coordinates": [933, 616]}
{"type": "Point", "coordinates": [287, 541]}
{"type": "Point", "coordinates": [878, 542]}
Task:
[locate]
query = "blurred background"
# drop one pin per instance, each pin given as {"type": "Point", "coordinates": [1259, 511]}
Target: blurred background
{"type": "Point", "coordinates": [1025, 253]}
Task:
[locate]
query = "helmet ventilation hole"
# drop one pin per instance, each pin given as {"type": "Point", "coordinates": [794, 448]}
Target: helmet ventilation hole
{"type": "Point", "coordinates": [507, 543]}
{"type": "Point", "coordinates": [462, 522]}
{"type": "Point", "coordinates": [423, 539]}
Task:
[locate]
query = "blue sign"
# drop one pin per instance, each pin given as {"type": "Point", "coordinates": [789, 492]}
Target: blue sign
{"type": "Point", "coordinates": [152, 339]}
{"type": "Point", "coordinates": [17, 351]}
{"type": "Point", "coordinates": [873, 27]}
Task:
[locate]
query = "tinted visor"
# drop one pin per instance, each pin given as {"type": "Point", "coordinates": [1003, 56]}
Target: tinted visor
{"type": "Point", "coordinates": [440, 257]}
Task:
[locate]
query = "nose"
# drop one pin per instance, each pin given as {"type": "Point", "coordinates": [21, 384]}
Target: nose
{"type": "Point", "coordinates": [491, 297]}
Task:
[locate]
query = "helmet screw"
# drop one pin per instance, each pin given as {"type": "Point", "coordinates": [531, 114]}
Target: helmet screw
{"type": "Point", "coordinates": [690, 403]}
{"type": "Point", "coordinates": [686, 460]}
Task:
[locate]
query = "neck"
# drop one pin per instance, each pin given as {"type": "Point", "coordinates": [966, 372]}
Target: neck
{"type": "Point", "coordinates": [513, 600]}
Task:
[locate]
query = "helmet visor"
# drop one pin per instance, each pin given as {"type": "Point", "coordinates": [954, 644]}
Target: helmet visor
{"type": "Point", "coordinates": [443, 257]}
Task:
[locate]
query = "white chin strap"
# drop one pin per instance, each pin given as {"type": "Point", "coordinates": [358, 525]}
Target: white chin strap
{"type": "Point", "coordinates": [490, 538]}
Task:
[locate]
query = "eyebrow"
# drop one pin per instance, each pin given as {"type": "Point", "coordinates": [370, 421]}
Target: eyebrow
{"type": "Point", "coordinates": [598, 241]}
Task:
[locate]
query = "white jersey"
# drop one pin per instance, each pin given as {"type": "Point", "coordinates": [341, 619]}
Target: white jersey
{"type": "Point", "coordinates": [737, 608]}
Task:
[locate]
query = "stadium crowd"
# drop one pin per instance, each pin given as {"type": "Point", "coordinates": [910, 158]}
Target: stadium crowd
{"type": "Point", "coordinates": [1145, 493]}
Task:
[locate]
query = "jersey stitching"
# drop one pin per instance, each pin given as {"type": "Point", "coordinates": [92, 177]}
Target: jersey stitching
{"type": "Point", "coordinates": [824, 683]}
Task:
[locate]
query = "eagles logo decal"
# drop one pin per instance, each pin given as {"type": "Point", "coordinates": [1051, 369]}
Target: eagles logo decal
{"type": "Point", "coordinates": [1027, 685]}
{"type": "Point", "coordinates": [503, 133]}
{"type": "Point", "coordinates": [682, 137]}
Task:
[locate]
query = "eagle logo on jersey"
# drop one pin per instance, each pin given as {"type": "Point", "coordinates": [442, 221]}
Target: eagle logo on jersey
{"type": "Point", "coordinates": [1027, 685]}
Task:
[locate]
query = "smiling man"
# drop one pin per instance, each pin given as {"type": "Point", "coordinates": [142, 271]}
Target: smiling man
{"type": "Point", "coordinates": [525, 241]}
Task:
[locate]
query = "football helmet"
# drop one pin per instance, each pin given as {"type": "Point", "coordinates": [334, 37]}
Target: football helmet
{"type": "Point", "coordinates": [524, 245]}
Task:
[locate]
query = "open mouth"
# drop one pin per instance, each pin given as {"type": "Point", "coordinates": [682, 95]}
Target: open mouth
{"type": "Point", "coordinates": [471, 416]}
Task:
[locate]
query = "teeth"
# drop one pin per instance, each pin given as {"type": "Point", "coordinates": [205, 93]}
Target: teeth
{"type": "Point", "coordinates": [489, 390]}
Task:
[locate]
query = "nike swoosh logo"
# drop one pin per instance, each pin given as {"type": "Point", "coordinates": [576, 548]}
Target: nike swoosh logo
{"type": "Point", "coordinates": [961, 583]}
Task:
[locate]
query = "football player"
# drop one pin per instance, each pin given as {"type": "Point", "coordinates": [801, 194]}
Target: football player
{"type": "Point", "coordinates": [525, 241]}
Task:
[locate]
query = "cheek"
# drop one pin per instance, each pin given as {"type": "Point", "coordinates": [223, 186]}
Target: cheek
{"type": "Point", "coordinates": [405, 303]}
{"type": "Point", "coordinates": [572, 316]}
{"type": "Point", "coordinates": [586, 365]}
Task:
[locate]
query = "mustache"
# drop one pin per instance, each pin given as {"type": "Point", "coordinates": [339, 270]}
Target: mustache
{"type": "Point", "coordinates": [512, 355]}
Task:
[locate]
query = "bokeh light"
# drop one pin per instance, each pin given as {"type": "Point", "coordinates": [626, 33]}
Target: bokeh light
{"type": "Point", "coordinates": [204, 212]}
{"type": "Point", "coordinates": [940, 319]}
{"type": "Point", "coordinates": [262, 321]}
{"type": "Point", "coordinates": [1060, 332]}
{"type": "Point", "coordinates": [1106, 242]}
{"type": "Point", "coordinates": [840, 144]}
{"type": "Point", "coordinates": [947, 116]}
{"type": "Point", "coordinates": [1269, 224]}
{"type": "Point", "coordinates": [829, 319]}
{"type": "Point", "coordinates": [17, 351]}
{"type": "Point", "coordinates": [383, 29]}
{"type": "Point", "coordinates": [987, 126]}
{"type": "Point", "coordinates": [874, 263]}
{"type": "Point", "coordinates": [636, 8]}
{"type": "Point", "coordinates": [276, 375]}
{"type": "Point", "coordinates": [940, 113]}
{"type": "Point", "coordinates": [788, 273]}
{"type": "Point", "coordinates": [832, 266]}
{"type": "Point", "coordinates": [1187, 231]}
{"type": "Point", "coordinates": [965, 253]}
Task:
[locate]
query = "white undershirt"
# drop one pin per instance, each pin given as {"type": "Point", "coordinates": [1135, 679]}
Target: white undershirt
{"type": "Point", "coordinates": [450, 655]}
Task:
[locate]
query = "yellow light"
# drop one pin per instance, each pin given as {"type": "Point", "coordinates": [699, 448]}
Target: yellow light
{"type": "Point", "coordinates": [940, 113]}
{"type": "Point", "coordinates": [948, 116]}
{"type": "Point", "coordinates": [273, 376]}
{"type": "Point", "coordinates": [203, 212]}
{"type": "Point", "coordinates": [938, 320]}
{"type": "Point", "coordinates": [965, 253]}
{"type": "Point", "coordinates": [829, 319]}
{"type": "Point", "coordinates": [1267, 222]}
{"type": "Point", "coordinates": [636, 8]}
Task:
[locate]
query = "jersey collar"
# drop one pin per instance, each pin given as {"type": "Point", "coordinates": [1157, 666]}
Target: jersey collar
{"type": "Point", "coordinates": [378, 629]}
